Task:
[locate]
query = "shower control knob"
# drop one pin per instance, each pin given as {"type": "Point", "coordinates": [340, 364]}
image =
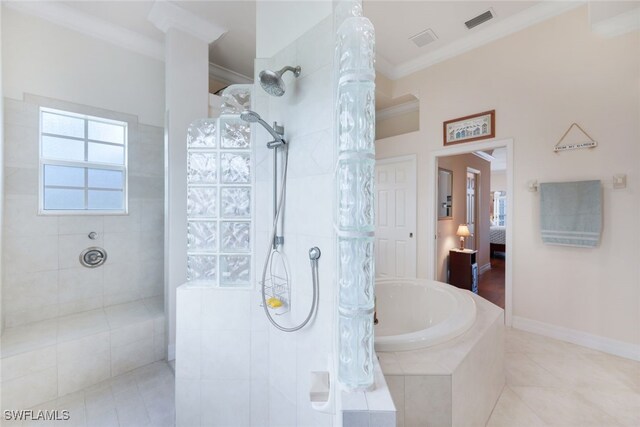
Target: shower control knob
{"type": "Point", "coordinates": [93, 257]}
{"type": "Point", "coordinates": [314, 253]}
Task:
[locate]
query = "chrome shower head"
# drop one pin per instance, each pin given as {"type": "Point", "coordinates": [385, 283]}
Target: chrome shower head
{"type": "Point", "coordinates": [271, 81]}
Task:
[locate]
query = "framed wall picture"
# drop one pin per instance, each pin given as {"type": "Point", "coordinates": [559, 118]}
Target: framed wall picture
{"type": "Point", "coordinates": [470, 128]}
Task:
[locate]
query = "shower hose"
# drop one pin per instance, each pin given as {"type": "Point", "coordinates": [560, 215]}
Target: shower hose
{"type": "Point", "coordinates": [314, 254]}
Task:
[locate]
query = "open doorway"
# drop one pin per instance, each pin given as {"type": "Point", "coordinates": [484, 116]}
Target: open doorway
{"type": "Point", "coordinates": [470, 248]}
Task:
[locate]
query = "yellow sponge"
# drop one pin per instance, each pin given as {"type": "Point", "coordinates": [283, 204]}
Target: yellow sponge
{"type": "Point", "coordinates": [274, 302]}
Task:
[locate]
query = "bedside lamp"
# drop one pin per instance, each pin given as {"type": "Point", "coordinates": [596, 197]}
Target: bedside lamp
{"type": "Point", "coordinates": [463, 231]}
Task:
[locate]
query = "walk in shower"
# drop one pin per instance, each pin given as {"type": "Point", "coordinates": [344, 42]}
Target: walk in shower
{"type": "Point", "coordinates": [83, 285]}
{"type": "Point", "coordinates": [229, 356]}
{"type": "Point", "coordinates": [237, 368]}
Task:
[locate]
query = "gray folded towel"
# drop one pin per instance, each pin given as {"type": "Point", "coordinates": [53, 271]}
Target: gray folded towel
{"type": "Point", "coordinates": [571, 213]}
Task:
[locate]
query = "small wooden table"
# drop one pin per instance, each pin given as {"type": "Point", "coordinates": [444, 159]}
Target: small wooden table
{"type": "Point", "coordinates": [463, 269]}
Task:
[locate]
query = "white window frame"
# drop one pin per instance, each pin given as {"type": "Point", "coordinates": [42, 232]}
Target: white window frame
{"type": "Point", "coordinates": [499, 197]}
{"type": "Point", "coordinates": [83, 164]}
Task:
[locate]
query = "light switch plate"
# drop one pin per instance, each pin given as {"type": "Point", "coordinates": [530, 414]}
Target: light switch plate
{"type": "Point", "coordinates": [620, 181]}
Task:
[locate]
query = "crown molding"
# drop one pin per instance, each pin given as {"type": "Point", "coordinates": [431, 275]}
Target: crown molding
{"type": "Point", "coordinates": [226, 75]}
{"type": "Point", "coordinates": [165, 15]}
{"type": "Point", "coordinates": [510, 25]}
{"type": "Point", "coordinates": [383, 66]}
{"type": "Point", "coordinates": [618, 25]}
{"type": "Point", "coordinates": [398, 110]}
{"type": "Point", "coordinates": [90, 25]}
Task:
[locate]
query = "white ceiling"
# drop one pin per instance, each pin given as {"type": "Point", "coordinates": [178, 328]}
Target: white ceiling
{"type": "Point", "coordinates": [395, 22]}
{"type": "Point", "coordinates": [235, 50]}
{"type": "Point", "coordinates": [131, 15]}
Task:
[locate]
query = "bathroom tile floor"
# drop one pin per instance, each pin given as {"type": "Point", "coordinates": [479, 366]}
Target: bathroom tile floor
{"type": "Point", "coordinates": [143, 397]}
{"type": "Point", "coordinates": [549, 383]}
{"type": "Point", "coordinates": [554, 383]}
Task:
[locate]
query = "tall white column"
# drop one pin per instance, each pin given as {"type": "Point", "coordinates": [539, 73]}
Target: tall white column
{"type": "Point", "coordinates": [187, 38]}
{"type": "Point", "coordinates": [187, 81]}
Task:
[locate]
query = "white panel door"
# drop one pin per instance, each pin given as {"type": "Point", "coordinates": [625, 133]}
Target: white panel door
{"type": "Point", "coordinates": [396, 217]}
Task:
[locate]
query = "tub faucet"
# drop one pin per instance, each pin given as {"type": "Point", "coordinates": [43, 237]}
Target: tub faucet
{"type": "Point", "coordinates": [375, 310]}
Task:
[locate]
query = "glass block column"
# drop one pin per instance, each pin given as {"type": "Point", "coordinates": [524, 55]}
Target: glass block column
{"type": "Point", "coordinates": [220, 195]}
{"type": "Point", "coordinates": [355, 119]}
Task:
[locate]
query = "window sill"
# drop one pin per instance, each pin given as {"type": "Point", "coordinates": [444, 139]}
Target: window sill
{"type": "Point", "coordinates": [81, 213]}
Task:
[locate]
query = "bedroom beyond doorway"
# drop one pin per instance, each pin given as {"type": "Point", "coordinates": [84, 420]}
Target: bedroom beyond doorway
{"type": "Point", "coordinates": [477, 200]}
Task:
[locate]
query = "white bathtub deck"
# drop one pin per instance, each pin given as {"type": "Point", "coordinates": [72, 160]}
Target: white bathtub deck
{"type": "Point", "coordinates": [455, 383]}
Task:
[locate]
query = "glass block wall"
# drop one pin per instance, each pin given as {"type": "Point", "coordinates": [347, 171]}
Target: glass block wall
{"type": "Point", "coordinates": [355, 95]}
{"type": "Point", "coordinates": [220, 195]}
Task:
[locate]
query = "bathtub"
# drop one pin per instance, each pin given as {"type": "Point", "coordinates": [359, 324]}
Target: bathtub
{"type": "Point", "coordinates": [416, 313]}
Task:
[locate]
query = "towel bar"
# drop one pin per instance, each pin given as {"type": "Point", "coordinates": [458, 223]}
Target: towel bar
{"type": "Point", "coordinates": [618, 182]}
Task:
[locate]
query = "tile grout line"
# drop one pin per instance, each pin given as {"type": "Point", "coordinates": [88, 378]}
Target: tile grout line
{"type": "Point", "coordinates": [504, 387]}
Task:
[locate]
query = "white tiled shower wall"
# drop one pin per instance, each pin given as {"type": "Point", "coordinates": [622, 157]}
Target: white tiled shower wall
{"type": "Point", "coordinates": [65, 326]}
{"type": "Point", "coordinates": [232, 367]}
{"type": "Point", "coordinates": [42, 277]}
{"type": "Point", "coordinates": [218, 380]}
{"type": "Point", "coordinates": [307, 113]}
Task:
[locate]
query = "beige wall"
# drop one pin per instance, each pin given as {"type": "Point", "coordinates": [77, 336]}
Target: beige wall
{"type": "Point", "coordinates": [539, 81]}
{"type": "Point", "coordinates": [216, 85]}
{"type": "Point", "coordinates": [398, 125]}
{"type": "Point", "coordinates": [447, 228]}
{"type": "Point", "coordinates": [384, 87]}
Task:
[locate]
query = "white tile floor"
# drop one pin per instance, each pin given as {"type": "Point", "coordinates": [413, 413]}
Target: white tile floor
{"type": "Point", "coordinates": [549, 383]}
{"type": "Point", "coordinates": [143, 397]}
{"type": "Point", "coordinates": [554, 383]}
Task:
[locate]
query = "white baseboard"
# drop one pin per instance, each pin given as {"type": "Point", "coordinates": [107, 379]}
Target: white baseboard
{"type": "Point", "coordinates": [484, 268]}
{"type": "Point", "coordinates": [607, 345]}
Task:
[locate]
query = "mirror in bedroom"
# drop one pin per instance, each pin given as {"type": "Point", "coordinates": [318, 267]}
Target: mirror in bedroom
{"type": "Point", "coordinates": [445, 188]}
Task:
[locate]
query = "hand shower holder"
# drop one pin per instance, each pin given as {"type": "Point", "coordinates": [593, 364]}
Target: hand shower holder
{"type": "Point", "coordinates": [278, 287]}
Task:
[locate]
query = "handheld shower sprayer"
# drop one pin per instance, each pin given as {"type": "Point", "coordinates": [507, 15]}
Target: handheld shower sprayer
{"type": "Point", "coordinates": [271, 288]}
{"type": "Point", "coordinates": [276, 131]}
{"type": "Point", "coordinates": [271, 81]}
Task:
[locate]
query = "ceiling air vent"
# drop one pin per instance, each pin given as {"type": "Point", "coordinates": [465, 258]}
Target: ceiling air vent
{"type": "Point", "coordinates": [424, 38]}
{"type": "Point", "coordinates": [482, 18]}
